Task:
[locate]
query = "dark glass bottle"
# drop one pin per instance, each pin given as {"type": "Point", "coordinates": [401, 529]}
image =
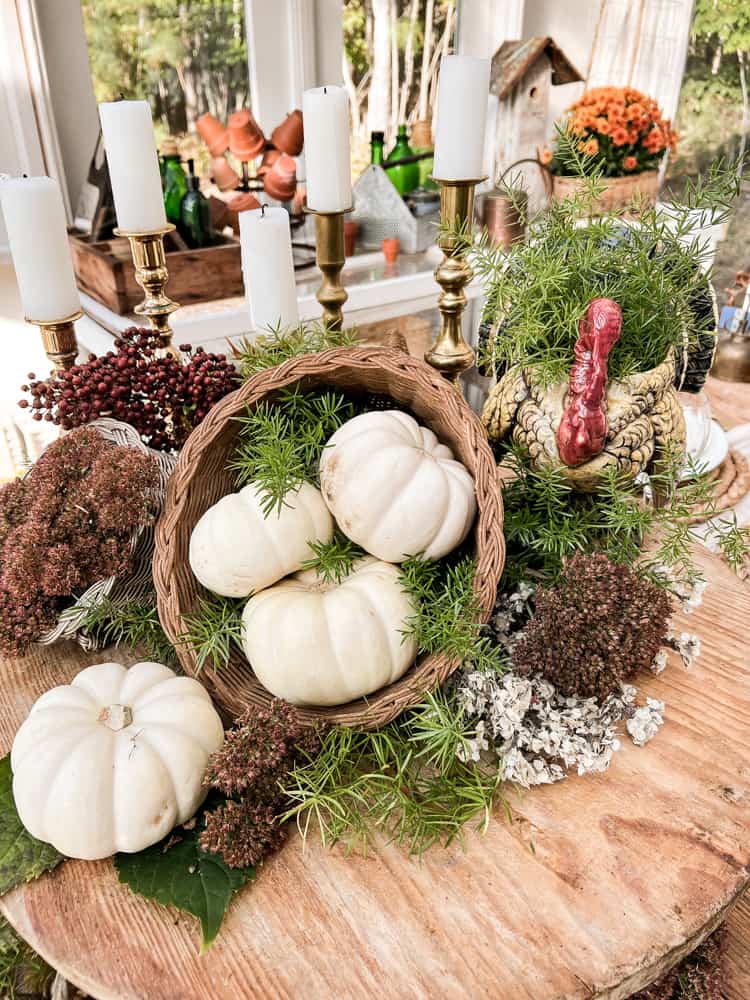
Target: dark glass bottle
{"type": "Point", "coordinates": [405, 178]}
{"type": "Point", "coordinates": [174, 180]}
{"type": "Point", "coordinates": [376, 147]}
{"type": "Point", "coordinates": [195, 214]}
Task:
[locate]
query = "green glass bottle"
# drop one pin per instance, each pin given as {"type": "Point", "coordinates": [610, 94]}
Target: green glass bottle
{"type": "Point", "coordinates": [405, 178]}
{"type": "Point", "coordinates": [376, 147]}
{"type": "Point", "coordinates": [195, 214]}
{"type": "Point", "coordinates": [175, 181]}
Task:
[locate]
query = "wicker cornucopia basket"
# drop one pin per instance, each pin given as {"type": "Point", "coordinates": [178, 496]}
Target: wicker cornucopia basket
{"type": "Point", "coordinates": [201, 478]}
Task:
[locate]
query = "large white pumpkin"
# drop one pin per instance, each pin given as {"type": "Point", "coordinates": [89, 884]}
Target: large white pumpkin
{"type": "Point", "coordinates": [236, 550]}
{"type": "Point", "coordinates": [313, 643]}
{"type": "Point", "coordinates": [114, 760]}
{"type": "Point", "coordinates": [394, 489]}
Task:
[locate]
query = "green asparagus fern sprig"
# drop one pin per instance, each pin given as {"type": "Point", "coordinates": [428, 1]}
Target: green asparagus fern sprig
{"type": "Point", "coordinates": [213, 631]}
{"type": "Point", "coordinates": [333, 561]}
{"type": "Point", "coordinates": [131, 623]}
{"type": "Point", "coordinates": [271, 349]}
{"type": "Point", "coordinates": [280, 442]}
{"type": "Point", "coordinates": [403, 782]}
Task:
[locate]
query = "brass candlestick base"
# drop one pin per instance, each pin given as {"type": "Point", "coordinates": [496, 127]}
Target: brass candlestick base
{"type": "Point", "coordinates": [152, 275]}
{"type": "Point", "coordinates": [450, 354]}
{"type": "Point", "coordinates": [732, 361]}
{"type": "Point", "coordinates": [330, 256]}
{"type": "Point", "coordinates": [59, 340]}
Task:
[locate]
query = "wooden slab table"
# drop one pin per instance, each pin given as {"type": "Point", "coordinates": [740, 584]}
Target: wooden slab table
{"type": "Point", "coordinates": [597, 886]}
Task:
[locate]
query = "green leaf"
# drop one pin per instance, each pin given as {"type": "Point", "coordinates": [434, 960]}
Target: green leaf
{"type": "Point", "coordinates": [182, 874]}
{"type": "Point", "coordinates": [22, 857]}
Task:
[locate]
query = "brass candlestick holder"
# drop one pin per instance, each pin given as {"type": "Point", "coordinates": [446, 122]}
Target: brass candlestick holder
{"type": "Point", "coordinates": [450, 354]}
{"type": "Point", "coordinates": [152, 275]}
{"type": "Point", "coordinates": [59, 340]}
{"type": "Point", "coordinates": [330, 256]}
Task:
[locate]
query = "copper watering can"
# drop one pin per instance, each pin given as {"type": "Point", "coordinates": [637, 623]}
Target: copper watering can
{"type": "Point", "coordinates": [504, 215]}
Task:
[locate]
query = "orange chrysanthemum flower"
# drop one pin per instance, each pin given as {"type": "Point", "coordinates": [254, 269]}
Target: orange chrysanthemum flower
{"type": "Point", "coordinates": [630, 163]}
{"type": "Point", "coordinates": [619, 136]}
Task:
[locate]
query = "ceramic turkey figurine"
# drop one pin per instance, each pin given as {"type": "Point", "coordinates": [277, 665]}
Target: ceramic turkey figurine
{"type": "Point", "coordinates": [583, 427]}
{"type": "Point", "coordinates": [588, 424]}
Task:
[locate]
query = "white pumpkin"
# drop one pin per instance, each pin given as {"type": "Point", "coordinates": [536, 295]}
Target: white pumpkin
{"type": "Point", "coordinates": [236, 550]}
{"type": "Point", "coordinates": [313, 643]}
{"type": "Point", "coordinates": [394, 489]}
{"type": "Point", "coordinates": [114, 760]}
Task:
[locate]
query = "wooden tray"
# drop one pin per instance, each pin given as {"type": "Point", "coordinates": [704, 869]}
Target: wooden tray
{"type": "Point", "coordinates": [104, 270]}
{"type": "Point", "coordinates": [596, 887]}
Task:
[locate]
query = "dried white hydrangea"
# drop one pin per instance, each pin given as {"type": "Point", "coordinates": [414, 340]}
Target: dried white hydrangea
{"type": "Point", "coordinates": [689, 592]}
{"type": "Point", "coordinates": [687, 644]}
{"type": "Point", "coordinates": [645, 722]}
{"type": "Point", "coordinates": [539, 734]}
{"type": "Point", "coordinates": [659, 662]}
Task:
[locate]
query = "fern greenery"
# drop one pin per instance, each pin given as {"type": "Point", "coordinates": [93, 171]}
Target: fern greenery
{"type": "Point", "coordinates": [130, 623]}
{"type": "Point", "coordinates": [280, 442]}
{"type": "Point", "coordinates": [539, 289]}
{"type": "Point", "coordinates": [269, 350]}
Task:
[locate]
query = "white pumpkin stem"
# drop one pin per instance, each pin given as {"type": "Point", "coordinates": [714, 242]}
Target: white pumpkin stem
{"type": "Point", "coordinates": [116, 717]}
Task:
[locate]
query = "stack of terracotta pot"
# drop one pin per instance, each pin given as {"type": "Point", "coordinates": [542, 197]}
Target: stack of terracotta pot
{"type": "Point", "coordinates": [244, 139]}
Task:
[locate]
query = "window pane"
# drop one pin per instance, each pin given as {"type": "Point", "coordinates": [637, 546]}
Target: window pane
{"type": "Point", "coordinates": [184, 58]}
{"type": "Point", "coordinates": [392, 53]}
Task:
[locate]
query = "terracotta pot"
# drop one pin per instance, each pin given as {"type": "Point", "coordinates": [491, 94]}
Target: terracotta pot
{"type": "Point", "coordinates": [618, 192]}
{"type": "Point", "coordinates": [351, 228]}
{"type": "Point", "coordinates": [243, 202]}
{"type": "Point", "coordinates": [246, 140]}
{"type": "Point", "coordinates": [223, 174]}
{"type": "Point", "coordinates": [213, 133]}
{"type": "Point", "coordinates": [390, 248]}
{"type": "Point", "coordinates": [289, 137]}
{"type": "Point", "coordinates": [280, 181]}
{"type": "Point", "coordinates": [270, 156]}
{"type": "Point", "coordinates": [421, 135]}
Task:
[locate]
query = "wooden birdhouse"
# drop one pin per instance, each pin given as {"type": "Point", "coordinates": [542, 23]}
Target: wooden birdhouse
{"type": "Point", "coordinates": [521, 77]}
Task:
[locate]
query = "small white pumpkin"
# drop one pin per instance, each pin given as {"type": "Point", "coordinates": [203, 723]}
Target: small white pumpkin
{"type": "Point", "coordinates": [114, 760]}
{"type": "Point", "coordinates": [313, 643]}
{"type": "Point", "coordinates": [236, 550]}
{"type": "Point", "coordinates": [394, 489]}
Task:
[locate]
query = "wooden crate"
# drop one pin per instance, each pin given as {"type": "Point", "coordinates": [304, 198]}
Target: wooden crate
{"type": "Point", "coordinates": [104, 270]}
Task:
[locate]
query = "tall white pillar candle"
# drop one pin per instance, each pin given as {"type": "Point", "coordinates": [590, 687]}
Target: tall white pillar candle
{"type": "Point", "coordinates": [268, 268]}
{"type": "Point", "coordinates": [463, 87]}
{"type": "Point", "coordinates": [325, 111]}
{"type": "Point", "coordinates": [128, 131]}
{"type": "Point", "coordinates": [36, 225]}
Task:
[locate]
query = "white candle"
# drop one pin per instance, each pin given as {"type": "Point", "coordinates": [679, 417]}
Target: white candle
{"type": "Point", "coordinates": [36, 225]}
{"type": "Point", "coordinates": [463, 87]}
{"type": "Point", "coordinates": [128, 132]}
{"type": "Point", "coordinates": [325, 111]}
{"type": "Point", "coordinates": [268, 268]}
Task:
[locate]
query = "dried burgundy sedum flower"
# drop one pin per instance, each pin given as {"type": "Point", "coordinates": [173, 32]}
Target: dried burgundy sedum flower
{"type": "Point", "coordinates": [257, 755]}
{"type": "Point", "coordinates": [699, 976]}
{"type": "Point", "coordinates": [600, 625]}
{"type": "Point", "coordinates": [65, 526]}
{"type": "Point", "coordinates": [163, 397]}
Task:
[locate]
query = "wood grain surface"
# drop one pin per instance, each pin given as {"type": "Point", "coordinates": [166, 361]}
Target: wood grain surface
{"type": "Point", "coordinates": [597, 885]}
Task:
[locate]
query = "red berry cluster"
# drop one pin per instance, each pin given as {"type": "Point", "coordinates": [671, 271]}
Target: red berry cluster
{"type": "Point", "coordinates": [163, 397]}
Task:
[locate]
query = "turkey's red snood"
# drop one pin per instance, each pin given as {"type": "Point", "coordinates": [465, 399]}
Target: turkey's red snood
{"type": "Point", "coordinates": [583, 426]}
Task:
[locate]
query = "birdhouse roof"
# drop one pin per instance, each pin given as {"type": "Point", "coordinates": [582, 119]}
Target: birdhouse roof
{"type": "Point", "coordinates": [513, 60]}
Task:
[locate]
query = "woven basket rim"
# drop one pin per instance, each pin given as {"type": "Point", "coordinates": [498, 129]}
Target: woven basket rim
{"type": "Point", "coordinates": [413, 384]}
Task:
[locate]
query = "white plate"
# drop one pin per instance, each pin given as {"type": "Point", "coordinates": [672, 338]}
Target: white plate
{"type": "Point", "coordinates": [712, 455]}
